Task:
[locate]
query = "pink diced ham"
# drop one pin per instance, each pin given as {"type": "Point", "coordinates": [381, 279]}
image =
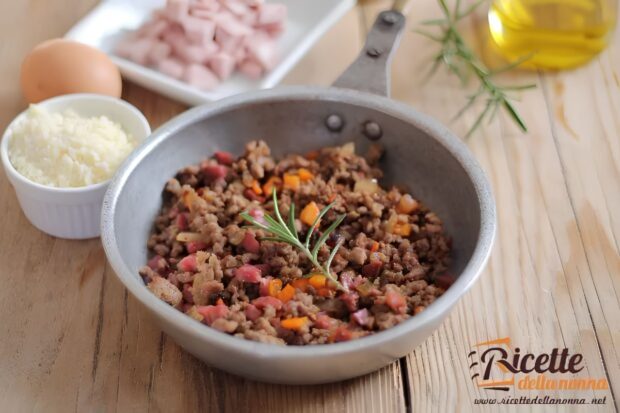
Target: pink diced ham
{"type": "Point", "coordinates": [250, 243]}
{"type": "Point", "coordinates": [222, 65]}
{"type": "Point", "coordinates": [198, 31]}
{"type": "Point", "coordinates": [140, 50]}
{"type": "Point", "coordinates": [159, 51]}
{"type": "Point", "coordinates": [361, 317]}
{"type": "Point", "coordinates": [192, 53]}
{"type": "Point", "coordinates": [195, 246]}
{"type": "Point", "coordinates": [227, 23]}
{"type": "Point", "coordinates": [248, 273]}
{"type": "Point", "coordinates": [323, 321]}
{"type": "Point", "coordinates": [212, 312]}
{"type": "Point", "coordinates": [264, 268]}
{"type": "Point", "coordinates": [237, 7]}
{"type": "Point", "coordinates": [157, 263]}
{"type": "Point", "coordinates": [176, 10]}
{"type": "Point", "coordinates": [224, 158]}
{"type": "Point", "coordinates": [251, 69]}
{"type": "Point", "coordinates": [350, 299]}
{"type": "Point", "coordinates": [182, 219]}
{"type": "Point", "coordinates": [262, 50]}
{"type": "Point", "coordinates": [153, 29]}
{"type": "Point", "coordinates": [171, 67]}
{"type": "Point", "coordinates": [271, 13]}
{"type": "Point", "coordinates": [188, 264]}
{"type": "Point", "coordinates": [214, 172]}
{"type": "Point", "coordinates": [201, 77]}
{"type": "Point", "coordinates": [267, 301]}
{"type": "Point", "coordinates": [252, 313]}
{"type": "Point", "coordinates": [396, 301]}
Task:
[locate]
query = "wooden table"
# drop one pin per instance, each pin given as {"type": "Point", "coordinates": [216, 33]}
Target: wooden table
{"type": "Point", "coordinates": [72, 338]}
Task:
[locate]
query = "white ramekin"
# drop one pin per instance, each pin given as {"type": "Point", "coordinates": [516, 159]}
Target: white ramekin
{"type": "Point", "coordinates": [72, 213]}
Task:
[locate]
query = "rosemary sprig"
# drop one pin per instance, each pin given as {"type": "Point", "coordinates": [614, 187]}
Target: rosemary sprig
{"type": "Point", "coordinates": [461, 61]}
{"type": "Point", "coordinates": [282, 231]}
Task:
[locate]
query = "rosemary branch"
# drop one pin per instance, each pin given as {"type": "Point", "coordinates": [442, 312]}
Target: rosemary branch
{"type": "Point", "coordinates": [461, 60]}
{"type": "Point", "coordinates": [282, 231]}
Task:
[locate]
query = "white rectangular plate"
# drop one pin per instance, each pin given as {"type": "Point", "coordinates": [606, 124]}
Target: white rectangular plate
{"type": "Point", "coordinates": [107, 23]}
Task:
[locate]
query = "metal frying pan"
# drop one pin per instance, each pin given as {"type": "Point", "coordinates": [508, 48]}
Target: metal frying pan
{"type": "Point", "coordinates": [420, 153]}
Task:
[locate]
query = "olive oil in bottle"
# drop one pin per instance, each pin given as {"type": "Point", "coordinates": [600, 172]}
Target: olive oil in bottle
{"type": "Point", "coordinates": [557, 34]}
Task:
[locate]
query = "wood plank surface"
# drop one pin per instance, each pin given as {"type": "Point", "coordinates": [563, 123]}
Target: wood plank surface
{"type": "Point", "coordinates": [73, 340]}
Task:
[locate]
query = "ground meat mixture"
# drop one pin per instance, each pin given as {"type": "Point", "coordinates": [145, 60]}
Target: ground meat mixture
{"type": "Point", "coordinates": [208, 263]}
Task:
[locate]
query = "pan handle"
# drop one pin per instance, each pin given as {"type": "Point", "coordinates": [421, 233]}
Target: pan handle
{"type": "Point", "coordinates": [370, 71]}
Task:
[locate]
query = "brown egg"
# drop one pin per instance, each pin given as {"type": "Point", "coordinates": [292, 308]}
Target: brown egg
{"type": "Point", "coordinates": [59, 67]}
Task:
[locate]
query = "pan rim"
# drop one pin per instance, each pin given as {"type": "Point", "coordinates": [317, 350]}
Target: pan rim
{"type": "Point", "coordinates": [437, 310]}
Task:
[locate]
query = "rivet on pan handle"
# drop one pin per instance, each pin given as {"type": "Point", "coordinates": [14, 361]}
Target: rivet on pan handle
{"type": "Point", "coordinates": [370, 71]}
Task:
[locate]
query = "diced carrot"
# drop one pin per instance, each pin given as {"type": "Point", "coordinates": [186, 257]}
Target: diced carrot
{"type": "Point", "coordinates": [271, 182]}
{"type": "Point", "coordinates": [312, 155]}
{"type": "Point", "coordinates": [291, 182]}
{"type": "Point", "coordinates": [404, 230]}
{"type": "Point", "coordinates": [287, 293]}
{"type": "Point", "coordinates": [219, 302]}
{"type": "Point", "coordinates": [275, 286]}
{"type": "Point", "coordinates": [300, 284]}
{"type": "Point", "coordinates": [406, 204]}
{"type": "Point", "coordinates": [295, 323]}
{"type": "Point", "coordinates": [331, 198]}
{"type": "Point", "coordinates": [374, 247]}
{"type": "Point", "coordinates": [309, 213]}
{"type": "Point", "coordinates": [304, 174]}
{"type": "Point", "coordinates": [323, 292]}
{"type": "Point", "coordinates": [256, 188]}
{"type": "Point", "coordinates": [318, 281]}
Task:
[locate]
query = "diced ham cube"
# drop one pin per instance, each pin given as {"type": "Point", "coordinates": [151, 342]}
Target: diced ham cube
{"type": "Point", "coordinates": [224, 158]}
{"type": "Point", "coordinates": [153, 29]}
{"type": "Point", "coordinates": [396, 301]}
{"type": "Point", "coordinates": [250, 18]}
{"type": "Point", "coordinates": [229, 24]}
{"type": "Point", "coordinates": [252, 313]}
{"type": "Point", "coordinates": [171, 67]}
{"type": "Point", "coordinates": [248, 273]}
{"type": "Point", "coordinates": [195, 246]}
{"type": "Point", "coordinates": [267, 301]}
{"type": "Point", "coordinates": [212, 312]}
{"type": "Point", "coordinates": [201, 77]}
{"type": "Point", "coordinates": [222, 65]}
{"type": "Point", "coordinates": [214, 172]}
{"type": "Point", "coordinates": [157, 263]}
{"type": "Point", "coordinates": [176, 10]}
{"type": "Point", "coordinates": [271, 13]}
{"type": "Point", "coordinates": [250, 243]}
{"type": "Point", "coordinates": [323, 321]}
{"type": "Point", "coordinates": [204, 14]}
{"type": "Point", "coordinates": [350, 299]}
{"type": "Point", "coordinates": [254, 3]}
{"type": "Point", "coordinates": [226, 41]}
{"type": "Point", "coordinates": [342, 333]}
{"type": "Point", "coordinates": [239, 54]}
{"type": "Point", "coordinates": [264, 268]}
{"type": "Point", "coordinates": [251, 69]}
{"type": "Point", "coordinates": [140, 50]}
{"type": "Point", "coordinates": [263, 50]}
{"type": "Point", "coordinates": [361, 317]}
{"type": "Point", "coordinates": [199, 31]}
{"type": "Point", "coordinates": [207, 5]}
{"type": "Point", "coordinates": [192, 53]}
{"type": "Point", "coordinates": [182, 221]}
{"type": "Point", "coordinates": [236, 7]}
{"type": "Point", "coordinates": [188, 264]}
{"type": "Point", "coordinates": [159, 51]}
